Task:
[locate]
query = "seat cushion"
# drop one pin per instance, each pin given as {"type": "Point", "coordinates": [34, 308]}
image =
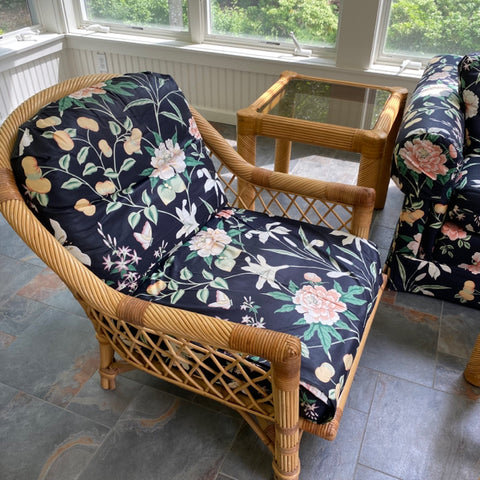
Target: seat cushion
{"type": "Point", "coordinates": [119, 173]}
{"type": "Point", "coordinates": [267, 272]}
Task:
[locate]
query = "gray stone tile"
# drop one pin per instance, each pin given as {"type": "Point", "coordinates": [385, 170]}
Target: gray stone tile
{"type": "Point", "coordinates": [145, 378]}
{"type": "Point", "coordinates": [162, 436]}
{"type": "Point", "coordinates": [364, 473]}
{"type": "Point", "coordinates": [449, 377]}
{"type": "Point", "coordinates": [104, 406]}
{"type": "Point", "coordinates": [249, 458]}
{"type": "Point", "coordinates": [402, 343]}
{"type": "Point", "coordinates": [416, 433]}
{"type": "Point", "coordinates": [11, 245]}
{"type": "Point", "coordinates": [363, 389]}
{"type": "Point", "coordinates": [332, 460]}
{"type": "Point", "coordinates": [459, 329]}
{"type": "Point", "coordinates": [23, 274]}
{"type": "Point", "coordinates": [41, 441]}
{"type": "Point", "coordinates": [17, 313]}
{"type": "Point", "coordinates": [6, 394]}
{"type": "Point", "coordinates": [52, 358]}
{"type": "Point", "coordinates": [420, 303]}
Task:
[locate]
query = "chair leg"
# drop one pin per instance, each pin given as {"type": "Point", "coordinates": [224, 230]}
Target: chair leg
{"type": "Point", "coordinates": [472, 370]}
{"type": "Point", "coordinates": [107, 378]}
{"type": "Point", "coordinates": [286, 462]}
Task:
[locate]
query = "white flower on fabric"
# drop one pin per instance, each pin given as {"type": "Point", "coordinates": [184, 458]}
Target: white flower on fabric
{"type": "Point", "coordinates": [188, 220]}
{"type": "Point", "coordinates": [271, 230]}
{"type": "Point", "coordinates": [169, 160]}
{"type": "Point", "coordinates": [61, 237]}
{"type": "Point", "coordinates": [209, 242]}
{"type": "Point", "coordinates": [265, 272]}
{"type": "Point", "coordinates": [210, 182]}
{"type": "Point", "coordinates": [26, 141]}
{"type": "Point", "coordinates": [471, 103]}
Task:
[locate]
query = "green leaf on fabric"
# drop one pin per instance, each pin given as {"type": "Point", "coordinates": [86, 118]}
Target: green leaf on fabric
{"type": "Point", "coordinates": [127, 164]}
{"type": "Point", "coordinates": [82, 155]}
{"type": "Point", "coordinates": [111, 173]}
{"type": "Point", "coordinates": [89, 169]}
{"type": "Point", "coordinates": [146, 198]}
{"type": "Point", "coordinates": [177, 296]}
{"type": "Point", "coordinates": [72, 184]}
{"type": "Point", "coordinates": [286, 308]}
{"type": "Point", "coordinates": [185, 274]}
{"type": "Point", "coordinates": [202, 295]}
{"type": "Point", "coordinates": [279, 296]}
{"type": "Point", "coordinates": [139, 102]}
{"type": "Point", "coordinates": [112, 206]}
{"type": "Point", "coordinates": [207, 275]}
{"type": "Point", "coordinates": [114, 127]}
{"type": "Point", "coordinates": [133, 219]}
{"type": "Point", "coordinates": [64, 162]}
{"type": "Point", "coordinates": [219, 282]}
{"type": "Point", "coordinates": [151, 213]}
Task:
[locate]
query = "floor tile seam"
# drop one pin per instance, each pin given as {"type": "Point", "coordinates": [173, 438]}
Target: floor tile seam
{"type": "Point", "coordinates": [54, 307]}
{"type": "Point", "coordinates": [242, 425]}
{"type": "Point", "coordinates": [51, 404]}
{"type": "Point", "coordinates": [380, 471]}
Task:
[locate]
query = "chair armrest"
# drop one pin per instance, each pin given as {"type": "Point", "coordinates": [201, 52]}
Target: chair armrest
{"type": "Point", "coordinates": [428, 151]}
{"type": "Point", "coordinates": [360, 199]}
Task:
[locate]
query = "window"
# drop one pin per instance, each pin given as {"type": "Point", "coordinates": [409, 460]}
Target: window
{"type": "Point", "coordinates": [140, 14]}
{"type": "Point", "coordinates": [423, 28]}
{"type": "Point", "coordinates": [313, 22]}
{"type": "Point", "coordinates": [15, 15]}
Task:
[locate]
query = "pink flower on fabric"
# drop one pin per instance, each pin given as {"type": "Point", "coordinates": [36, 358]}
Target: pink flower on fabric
{"type": "Point", "coordinates": [475, 266]}
{"type": "Point", "coordinates": [89, 91]}
{"type": "Point", "coordinates": [422, 156]}
{"type": "Point", "coordinates": [453, 232]}
{"type": "Point", "coordinates": [169, 160]}
{"type": "Point", "coordinates": [227, 213]}
{"type": "Point", "coordinates": [318, 304]}
{"type": "Point", "coordinates": [193, 129]}
{"type": "Point", "coordinates": [209, 242]}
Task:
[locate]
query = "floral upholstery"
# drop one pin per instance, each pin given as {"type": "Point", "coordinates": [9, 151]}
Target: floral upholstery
{"type": "Point", "coordinates": [91, 162]}
{"type": "Point", "coordinates": [119, 173]}
{"type": "Point", "coordinates": [436, 249]}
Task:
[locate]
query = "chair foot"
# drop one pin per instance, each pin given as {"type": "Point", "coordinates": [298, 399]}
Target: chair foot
{"type": "Point", "coordinates": [472, 370]}
{"type": "Point", "coordinates": [278, 475]}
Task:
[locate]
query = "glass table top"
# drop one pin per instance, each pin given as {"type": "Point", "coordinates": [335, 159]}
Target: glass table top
{"type": "Point", "coordinates": [332, 103]}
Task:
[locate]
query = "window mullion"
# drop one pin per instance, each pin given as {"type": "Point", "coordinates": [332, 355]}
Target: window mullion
{"type": "Point", "coordinates": [197, 16]}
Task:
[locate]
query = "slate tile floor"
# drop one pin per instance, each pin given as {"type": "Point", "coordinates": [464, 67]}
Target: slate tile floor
{"type": "Point", "coordinates": [410, 415]}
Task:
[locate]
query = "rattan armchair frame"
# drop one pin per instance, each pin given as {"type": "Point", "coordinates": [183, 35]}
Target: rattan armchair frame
{"type": "Point", "coordinates": [133, 333]}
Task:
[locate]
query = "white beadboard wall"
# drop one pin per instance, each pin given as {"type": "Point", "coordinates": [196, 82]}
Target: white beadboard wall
{"type": "Point", "coordinates": [218, 92]}
{"type": "Point", "coordinates": [23, 75]}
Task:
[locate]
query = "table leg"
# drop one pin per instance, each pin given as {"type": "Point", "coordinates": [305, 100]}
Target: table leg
{"type": "Point", "coordinates": [283, 150]}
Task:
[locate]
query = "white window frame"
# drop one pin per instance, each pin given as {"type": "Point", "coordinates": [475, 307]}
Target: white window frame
{"type": "Point", "coordinates": [24, 32]}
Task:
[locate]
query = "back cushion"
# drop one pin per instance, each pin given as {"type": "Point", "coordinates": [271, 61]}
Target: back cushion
{"type": "Point", "coordinates": [119, 173]}
{"type": "Point", "coordinates": [469, 89]}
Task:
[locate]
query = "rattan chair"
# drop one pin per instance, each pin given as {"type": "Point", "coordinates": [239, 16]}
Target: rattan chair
{"type": "Point", "coordinates": [137, 334]}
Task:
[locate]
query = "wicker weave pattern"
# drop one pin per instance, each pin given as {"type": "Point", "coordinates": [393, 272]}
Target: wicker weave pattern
{"type": "Point", "coordinates": [202, 354]}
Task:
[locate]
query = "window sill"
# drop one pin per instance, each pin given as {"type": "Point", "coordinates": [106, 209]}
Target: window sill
{"type": "Point", "coordinates": [14, 53]}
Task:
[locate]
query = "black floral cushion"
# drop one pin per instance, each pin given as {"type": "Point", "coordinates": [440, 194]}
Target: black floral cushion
{"type": "Point", "coordinates": [268, 272]}
{"type": "Point", "coordinates": [118, 171]}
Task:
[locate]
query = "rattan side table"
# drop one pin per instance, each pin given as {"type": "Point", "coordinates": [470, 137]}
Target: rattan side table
{"type": "Point", "coordinates": [347, 116]}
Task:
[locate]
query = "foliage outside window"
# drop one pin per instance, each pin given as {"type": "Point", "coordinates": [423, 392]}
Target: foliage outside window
{"type": "Point", "coordinates": [170, 14]}
{"type": "Point", "coordinates": [14, 15]}
{"type": "Point", "coordinates": [425, 28]}
{"type": "Point", "coordinates": [314, 22]}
